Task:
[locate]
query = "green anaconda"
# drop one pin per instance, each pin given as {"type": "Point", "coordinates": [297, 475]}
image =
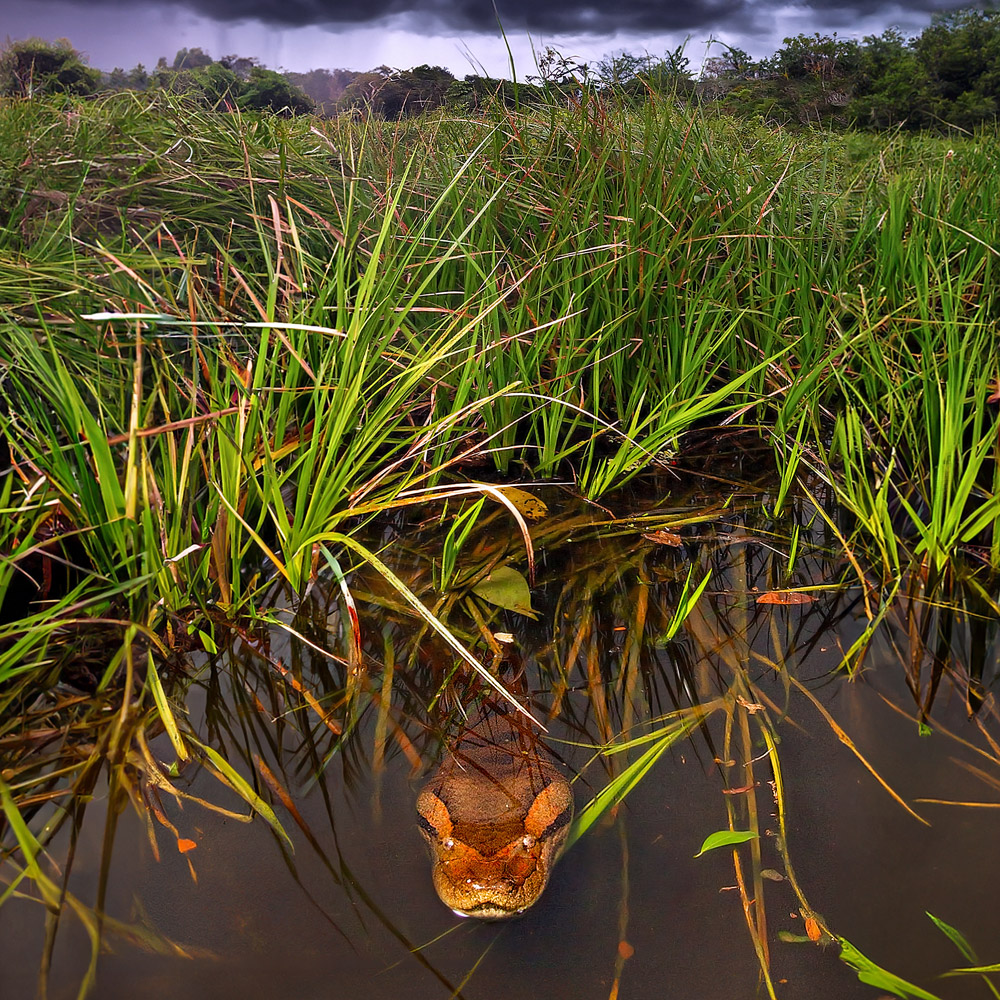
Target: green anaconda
{"type": "Point", "coordinates": [494, 814]}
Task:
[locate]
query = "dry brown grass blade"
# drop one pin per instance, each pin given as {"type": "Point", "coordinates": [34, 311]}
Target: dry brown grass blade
{"type": "Point", "coordinates": [752, 908]}
{"type": "Point", "coordinates": [945, 731]}
{"type": "Point", "coordinates": [382, 701]}
{"type": "Point", "coordinates": [866, 587]}
{"type": "Point", "coordinates": [849, 743]}
{"type": "Point", "coordinates": [624, 950]}
{"type": "Point", "coordinates": [174, 425]}
{"type": "Point", "coordinates": [982, 775]}
{"type": "Point", "coordinates": [309, 697]}
{"type": "Point", "coordinates": [158, 780]}
{"type": "Point", "coordinates": [633, 652]}
{"type": "Point", "coordinates": [955, 802]}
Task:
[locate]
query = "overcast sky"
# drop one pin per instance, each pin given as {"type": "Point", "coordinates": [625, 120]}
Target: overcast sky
{"type": "Point", "coordinates": [459, 34]}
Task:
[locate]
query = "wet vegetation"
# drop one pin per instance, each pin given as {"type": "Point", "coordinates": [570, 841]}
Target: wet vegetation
{"type": "Point", "coordinates": [277, 395]}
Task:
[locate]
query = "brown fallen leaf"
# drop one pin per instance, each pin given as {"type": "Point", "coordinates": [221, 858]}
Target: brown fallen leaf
{"type": "Point", "coordinates": [785, 597]}
{"type": "Point", "coordinates": [184, 845]}
{"type": "Point", "coordinates": [664, 538]}
{"type": "Point", "coordinates": [625, 950]}
{"type": "Point", "coordinates": [813, 930]}
{"type": "Point", "coordinates": [527, 503]}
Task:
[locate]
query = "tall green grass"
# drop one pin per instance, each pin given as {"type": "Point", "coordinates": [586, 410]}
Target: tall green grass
{"type": "Point", "coordinates": [227, 337]}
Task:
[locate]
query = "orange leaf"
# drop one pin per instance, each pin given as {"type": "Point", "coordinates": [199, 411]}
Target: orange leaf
{"type": "Point", "coordinates": [184, 845]}
{"type": "Point", "coordinates": [785, 597]}
{"type": "Point", "coordinates": [625, 950]}
{"type": "Point", "coordinates": [664, 538]}
{"type": "Point", "coordinates": [812, 929]}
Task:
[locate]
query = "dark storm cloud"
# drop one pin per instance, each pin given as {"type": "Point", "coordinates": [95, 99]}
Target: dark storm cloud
{"type": "Point", "coordinates": [552, 16]}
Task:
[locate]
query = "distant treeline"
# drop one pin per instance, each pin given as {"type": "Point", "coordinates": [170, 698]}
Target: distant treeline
{"type": "Point", "coordinates": [947, 77]}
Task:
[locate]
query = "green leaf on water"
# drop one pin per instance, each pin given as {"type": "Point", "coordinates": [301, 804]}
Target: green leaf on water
{"type": "Point", "coordinates": [874, 975]}
{"type": "Point", "coordinates": [506, 588]}
{"type": "Point", "coordinates": [725, 838]}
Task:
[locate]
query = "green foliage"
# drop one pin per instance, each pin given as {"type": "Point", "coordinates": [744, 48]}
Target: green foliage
{"type": "Point", "coordinates": [191, 59]}
{"type": "Point", "coordinates": [822, 57]}
{"type": "Point", "coordinates": [726, 838]}
{"type": "Point", "coordinates": [874, 975]}
{"type": "Point", "coordinates": [324, 87]}
{"type": "Point", "coordinates": [960, 53]}
{"type": "Point", "coordinates": [34, 67]}
{"type": "Point", "coordinates": [219, 86]}
{"type": "Point", "coordinates": [398, 94]}
{"type": "Point", "coordinates": [267, 90]}
{"type": "Point", "coordinates": [891, 84]}
{"type": "Point", "coordinates": [483, 93]}
{"type": "Point", "coordinates": [944, 79]}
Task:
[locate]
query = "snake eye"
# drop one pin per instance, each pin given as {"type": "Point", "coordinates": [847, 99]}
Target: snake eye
{"type": "Point", "coordinates": [448, 843]}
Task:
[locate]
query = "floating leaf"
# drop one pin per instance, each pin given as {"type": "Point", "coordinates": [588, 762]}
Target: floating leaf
{"type": "Point", "coordinates": [725, 838]}
{"type": "Point", "coordinates": [664, 538]}
{"type": "Point", "coordinates": [813, 930]}
{"type": "Point", "coordinates": [625, 950]}
{"type": "Point", "coordinates": [506, 588]}
{"type": "Point", "coordinates": [785, 597]}
{"type": "Point", "coordinates": [184, 845]}
{"type": "Point", "coordinates": [527, 503]}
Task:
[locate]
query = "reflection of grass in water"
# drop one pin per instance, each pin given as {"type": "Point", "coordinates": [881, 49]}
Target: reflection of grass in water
{"type": "Point", "coordinates": [598, 572]}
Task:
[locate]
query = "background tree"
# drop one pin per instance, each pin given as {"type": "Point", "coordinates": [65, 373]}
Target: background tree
{"type": "Point", "coordinates": [267, 90]}
{"type": "Point", "coordinates": [191, 59]}
{"type": "Point", "coordinates": [325, 87]}
{"type": "Point", "coordinates": [361, 94]}
{"type": "Point", "coordinates": [960, 54]}
{"type": "Point", "coordinates": [559, 71]}
{"type": "Point", "coordinates": [242, 66]}
{"type": "Point", "coordinates": [621, 68]}
{"type": "Point", "coordinates": [220, 86]}
{"type": "Point", "coordinates": [34, 66]}
{"type": "Point", "coordinates": [394, 93]}
{"type": "Point", "coordinates": [666, 75]}
{"type": "Point", "coordinates": [892, 86]}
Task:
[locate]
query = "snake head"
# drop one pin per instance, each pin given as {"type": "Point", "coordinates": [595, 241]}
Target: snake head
{"type": "Point", "coordinates": [491, 852]}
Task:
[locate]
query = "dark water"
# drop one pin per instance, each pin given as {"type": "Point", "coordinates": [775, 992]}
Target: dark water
{"type": "Point", "coordinates": [352, 912]}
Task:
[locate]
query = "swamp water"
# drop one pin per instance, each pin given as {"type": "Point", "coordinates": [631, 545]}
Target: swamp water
{"type": "Point", "coordinates": [231, 910]}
